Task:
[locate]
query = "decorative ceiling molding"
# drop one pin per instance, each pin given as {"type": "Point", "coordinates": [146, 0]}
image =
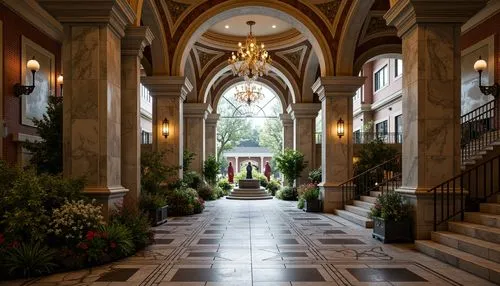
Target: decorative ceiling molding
{"type": "Point", "coordinates": [294, 57]}
{"type": "Point", "coordinates": [176, 11]}
{"type": "Point", "coordinates": [205, 57]}
{"type": "Point", "coordinates": [375, 26]}
{"type": "Point", "coordinates": [330, 9]}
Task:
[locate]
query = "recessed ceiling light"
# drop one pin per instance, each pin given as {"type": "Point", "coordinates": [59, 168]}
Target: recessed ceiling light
{"type": "Point", "coordinates": [274, 26]}
{"type": "Point", "coordinates": [227, 26]}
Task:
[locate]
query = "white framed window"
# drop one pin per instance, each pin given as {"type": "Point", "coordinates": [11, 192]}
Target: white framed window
{"type": "Point", "coordinates": [381, 78]}
{"type": "Point", "coordinates": [398, 67]}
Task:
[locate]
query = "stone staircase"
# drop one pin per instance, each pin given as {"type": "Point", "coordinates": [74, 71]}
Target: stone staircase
{"type": "Point", "coordinates": [472, 245]}
{"type": "Point", "coordinates": [358, 212]}
{"type": "Point", "coordinates": [477, 150]}
{"type": "Point", "coordinates": [249, 190]}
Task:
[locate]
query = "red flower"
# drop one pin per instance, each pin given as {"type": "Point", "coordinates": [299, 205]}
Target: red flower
{"type": "Point", "coordinates": [83, 245]}
{"type": "Point", "coordinates": [90, 235]}
{"type": "Point", "coordinates": [2, 239]}
{"type": "Point", "coordinates": [112, 245]}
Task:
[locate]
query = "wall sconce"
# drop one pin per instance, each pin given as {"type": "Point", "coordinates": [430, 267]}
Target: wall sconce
{"type": "Point", "coordinates": [480, 65]}
{"type": "Point", "coordinates": [165, 128]}
{"type": "Point", "coordinates": [19, 89]}
{"type": "Point", "coordinates": [340, 128]}
{"type": "Point", "coordinates": [60, 81]}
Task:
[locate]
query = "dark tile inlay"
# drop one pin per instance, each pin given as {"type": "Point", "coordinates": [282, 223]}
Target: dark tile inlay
{"type": "Point", "coordinates": [293, 254]}
{"type": "Point", "coordinates": [317, 224]}
{"type": "Point", "coordinates": [178, 224]}
{"type": "Point", "coordinates": [333, 231]}
{"type": "Point", "coordinates": [281, 231]}
{"type": "Point", "coordinates": [209, 241]}
{"type": "Point", "coordinates": [214, 231]}
{"type": "Point", "coordinates": [161, 231]}
{"type": "Point", "coordinates": [203, 254]}
{"type": "Point", "coordinates": [385, 275]}
{"type": "Point", "coordinates": [218, 224]}
{"type": "Point", "coordinates": [287, 241]}
{"type": "Point", "coordinates": [163, 240]}
{"type": "Point", "coordinates": [286, 275]}
{"type": "Point", "coordinates": [211, 275]}
{"type": "Point", "coordinates": [118, 275]}
{"type": "Point", "coordinates": [340, 241]}
{"type": "Point", "coordinates": [307, 218]}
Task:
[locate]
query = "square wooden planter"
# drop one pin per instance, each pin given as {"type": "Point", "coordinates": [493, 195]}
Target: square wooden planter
{"type": "Point", "coordinates": [313, 206]}
{"type": "Point", "coordinates": [159, 216]}
{"type": "Point", "coordinates": [392, 231]}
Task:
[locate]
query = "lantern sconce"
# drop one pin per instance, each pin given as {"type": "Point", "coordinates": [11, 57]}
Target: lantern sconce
{"type": "Point", "coordinates": [165, 128]}
{"type": "Point", "coordinates": [480, 65]}
{"type": "Point", "coordinates": [340, 128]}
{"type": "Point", "coordinates": [19, 89]}
{"type": "Point", "coordinates": [60, 81]}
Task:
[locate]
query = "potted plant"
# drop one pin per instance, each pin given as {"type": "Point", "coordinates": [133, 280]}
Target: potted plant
{"type": "Point", "coordinates": [156, 206]}
{"type": "Point", "coordinates": [391, 218]}
{"type": "Point", "coordinates": [309, 195]}
{"type": "Point", "coordinates": [291, 163]}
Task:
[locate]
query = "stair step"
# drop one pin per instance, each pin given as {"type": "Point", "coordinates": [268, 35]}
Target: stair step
{"type": "Point", "coordinates": [375, 194]}
{"type": "Point", "coordinates": [473, 264]}
{"type": "Point", "coordinates": [357, 210]}
{"type": "Point", "coordinates": [354, 218]}
{"type": "Point", "coordinates": [478, 247]}
{"type": "Point", "coordinates": [483, 219]}
{"type": "Point", "coordinates": [491, 234]}
{"type": "Point", "coordinates": [363, 204]}
{"type": "Point", "coordinates": [490, 208]}
{"type": "Point", "coordinates": [369, 199]}
{"type": "Point", "coordinates": [249, 198]}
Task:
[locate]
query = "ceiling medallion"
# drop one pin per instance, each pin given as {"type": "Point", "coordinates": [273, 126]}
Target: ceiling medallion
{"type": "Point", "coordinates": [251, 60]}
{"type": "Point", "coordinates": [249, 93]}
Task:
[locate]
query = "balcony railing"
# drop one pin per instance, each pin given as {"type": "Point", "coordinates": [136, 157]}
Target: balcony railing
{"type": "Point", "coordinates": [387, 138]}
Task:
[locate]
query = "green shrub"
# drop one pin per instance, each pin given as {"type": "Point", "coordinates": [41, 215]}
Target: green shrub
{"type": "Point", "coordinates": [8, 176]}
{"type": "Point", "coordinates": [290, 163]}
{"type": "Point", "coordinates": [181, 201]}
{"type": "Point", "coordinates": [287, 193]}
{"type": "Point", "coordinates": [225, 186]}
{"type": "Point", "coordinates": [59, 190]}
{"type": "Point", "coordinates": [120, 240]}
{"type": "Point", "coordinates": [372, 154]}
{"type": "Point", "coordinates": [255, 175]}
{"type": "Point", "coordinates": [199, 205]}
{"type": "Point", "coordinates": [187, 159]}
{"type": "Point", "coordinates": [390, 206]}
{"type": "Point", "coordinates": [211, 168]}
{"type": "Point", "coordinates": [192, 180]}
{"type": "Point", "coordinates": [308, 192]}
{"type": "Point", "coordinates": [301, 203]}
{"type": "Point", "coordinates": [207, 193]}
{"type": "Point", "coordinates": [28, 260]}
{"type": "Point", "coordinates": [273, 186]}
{"type": "Point", "coordinates": [263, 180]}
{"type": "Point", "coordinates": [315, 176]}
{"type": "Point", "coordinates": [150, 202]}
{"type": "Point", "coordinates": [154, 172]}
{"type": "Point", "coordinates": [136, 221]}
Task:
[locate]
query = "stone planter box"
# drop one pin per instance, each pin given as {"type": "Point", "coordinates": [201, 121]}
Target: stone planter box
{"type": "Point", "coordinates": [313, 206]}
{"type": "Point", "coordinates": [158, 216]}
{"type": "Point", "coordinates": [392, 231]}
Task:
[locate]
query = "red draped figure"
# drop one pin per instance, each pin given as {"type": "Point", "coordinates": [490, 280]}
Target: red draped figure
{"type": "Point", "coordinates": [230, 172]}
{"type": "Point", "coordinates": [267, 171]}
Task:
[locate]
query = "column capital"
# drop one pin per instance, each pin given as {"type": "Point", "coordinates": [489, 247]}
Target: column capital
{"type": "Point", "coordinates": [337, 86]}
{"type": "Point", "coordinates": [135, 40]}
{"type": "Point", "coordinates": [286, 119]}
{"type": "Point", "coordinates": [117, 13]}
{"type": "Point", "coordinates": [169, 86]}
{"type": "Point", "coordinates": [405, 14]}
{"type": "Point", "coordinates": [303, 110]}
{"type": "Point", "coordinates": [197, 110]}
{"type": "Point", "coordinates": [212, 119]}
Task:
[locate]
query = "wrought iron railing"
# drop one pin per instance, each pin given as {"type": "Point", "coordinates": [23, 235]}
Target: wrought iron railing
{"type": "Point", "coordinates": [383, 178]}
{"type": "Point", "coordinates": [465, 191]}
{"type": "Point", "coordinates": [479, 129]}
{"type": "Point", "coordinates": [387, 138]}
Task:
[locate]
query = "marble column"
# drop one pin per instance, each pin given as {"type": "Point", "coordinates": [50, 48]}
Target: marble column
{"type": "Point", "coordinates": [304, 132]}
{"type": "Point", "coordinates": [287, 122]}
{"type": "Point", "coordinates": [430, 31]}
{"type": "Point", "coordinates": [92, 93]}
{"type": "Point", "coordinates": [194, 136]}
{"type": "Point", "coordinates": [237, 167]}
{"type": "Point", "coordinates": [211, 134]}
{"type": "Point", "coordinates": [169, 93]}
{"type": "Point", "coordinates": [133, 44]}
{"type": "Point", "coordinates": [336, 95]}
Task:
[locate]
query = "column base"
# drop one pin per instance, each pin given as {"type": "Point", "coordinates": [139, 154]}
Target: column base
{"type": "Point", "coordinates": [331, 194]}
{"type": "Point", "coordinates": [108, 198]}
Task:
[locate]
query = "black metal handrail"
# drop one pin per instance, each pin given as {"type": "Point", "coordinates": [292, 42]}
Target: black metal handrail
{"type": "Point", "coordinates": [383, 177]}
{"type": "Point", "coordinates": [472, 187]}
{"type": "Point", "coordinates": [387, 138]}
{"type": "Point", "coordinates": [478, 128]}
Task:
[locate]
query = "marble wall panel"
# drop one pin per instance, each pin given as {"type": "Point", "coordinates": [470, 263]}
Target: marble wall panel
{"type": "Point", "coordinates": [305, 142]}
{"type": "Point", "coordinates": [194, 137]}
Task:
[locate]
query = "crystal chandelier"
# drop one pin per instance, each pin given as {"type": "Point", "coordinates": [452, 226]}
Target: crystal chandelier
{"type": "Point", "coordinates": [251, 60]}
{"type": "Point", "coordinates": [249, 93]}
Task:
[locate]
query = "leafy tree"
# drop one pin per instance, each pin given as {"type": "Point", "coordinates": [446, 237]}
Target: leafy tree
{"type": "Point", "coordinates": [187, 159]}
{"type": "Point", "coordinates": [272, 135]}
{"type": "Point", "coordinates": [291, 163]}
{"type": "Point", "coordinates": [211, 169]}
{"type": "Point", "coordinates": [47, 153]}
{"type": "Point", "coordinates": [230, 132]}
{"type": "Point", "coordinates": [372, 154]}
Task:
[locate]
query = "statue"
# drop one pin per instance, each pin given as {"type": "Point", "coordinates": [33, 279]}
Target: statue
{"type": "Point", "coordinates": [230, 173]}
{"type": "Point", "coordinates": [249, 171]}
{"type": "Point", "coordinates": [267, 171]}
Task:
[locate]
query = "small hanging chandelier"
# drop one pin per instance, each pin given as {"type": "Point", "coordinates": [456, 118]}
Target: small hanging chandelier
{"type": "Point", "coordinates": [249, 93]}
{"type": "Point", "coordinates": [251, 60]}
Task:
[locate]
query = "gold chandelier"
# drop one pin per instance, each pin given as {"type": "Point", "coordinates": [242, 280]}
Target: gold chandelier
{"type": "Point", "coordinates": [251, 60]}
{"type": "Point", "coordinates": [249, 93]}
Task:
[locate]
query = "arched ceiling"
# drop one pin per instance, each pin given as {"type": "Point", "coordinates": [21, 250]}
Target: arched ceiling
{"type": "Point", "coordinates": [264, 26]}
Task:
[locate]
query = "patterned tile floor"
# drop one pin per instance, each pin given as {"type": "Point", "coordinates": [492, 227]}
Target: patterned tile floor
{"type": "Point", "coordinates": [266, 243]}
